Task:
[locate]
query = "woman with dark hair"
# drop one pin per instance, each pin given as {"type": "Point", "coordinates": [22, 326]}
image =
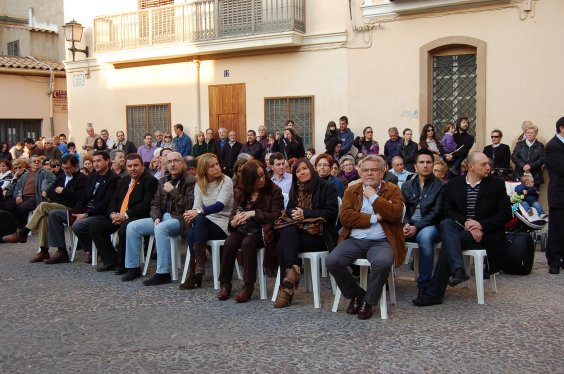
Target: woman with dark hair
{"type": "Point", "coordinates": [333, 148]}
{"type": "Point", "coordinates": [289, 146]}
{"type": "Point", "coordinates": [331, 132]}
{"type": "Point", "coordinates": [408, 150]}
{"type": "Point", "coordinates": [428, 140]}
{"type": "Point", "coordinates": [366, 144]}
{"type": "Point", "coordinates": [5, 174]}
{"type": "Point", "coordinates": [213, 200]}
{"type": "Point", "coordinates": [5, 152]}
{"type": "Point", "coordinates": [310, 197]}
{"type": "Point", "coordinates": [258, 202]}
{"type": "Point", "coordinates": [100, 145]}
{"type": "Point", "coordinates": [323, 165]}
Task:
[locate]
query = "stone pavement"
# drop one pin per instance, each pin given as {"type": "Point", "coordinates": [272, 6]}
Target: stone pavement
{"type": "Point", "coordinates": [68, 318]}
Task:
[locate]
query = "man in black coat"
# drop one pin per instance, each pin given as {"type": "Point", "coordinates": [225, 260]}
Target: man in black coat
{"type": "Point", "coordinates": [100, 188]}
{"type": "Point", "coordinates": [62, 195]}
{"type": "Point", "coordinates": [476, 210]}
{"type": "Point", "coordinates": [130, 202]}
{"type": "Point", "coordinates": [500, 154]}
{"type": "Point", "coordinates": [229, 154]}
{"type": "Point", "coordinates": [554, 154]}
{"type": "Point", "coordinates": [125, 145]}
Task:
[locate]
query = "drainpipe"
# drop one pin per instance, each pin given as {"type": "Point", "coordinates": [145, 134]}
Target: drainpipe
{"type": "Point", "coordinates": [50, 93]}
{"type": "Point", "coordinates": [198, 109]}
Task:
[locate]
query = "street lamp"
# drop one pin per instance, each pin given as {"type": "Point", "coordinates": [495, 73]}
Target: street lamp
{"type": "Point", "coordinates": [73, 33]}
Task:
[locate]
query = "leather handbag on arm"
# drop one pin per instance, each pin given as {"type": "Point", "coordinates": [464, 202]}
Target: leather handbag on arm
{"type": "Point", "coordinates": [311, 226]}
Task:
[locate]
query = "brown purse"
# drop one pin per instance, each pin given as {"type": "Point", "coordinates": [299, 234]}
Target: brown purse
{"type": "Point", "coordinates": [311, 226]}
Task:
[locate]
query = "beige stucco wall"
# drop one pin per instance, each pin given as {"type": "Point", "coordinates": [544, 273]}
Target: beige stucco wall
{"type": "Point", "coordinates": [374, 78]}
{"type": "Point", "coordinates": [28, 99]}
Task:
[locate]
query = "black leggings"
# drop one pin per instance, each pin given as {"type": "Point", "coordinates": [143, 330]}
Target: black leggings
{"type": "Point", "coordinates": [293, 242]}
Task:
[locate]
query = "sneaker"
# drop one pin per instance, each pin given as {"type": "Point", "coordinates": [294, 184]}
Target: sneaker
{"type": "Point", "coordinates": [544, 216]}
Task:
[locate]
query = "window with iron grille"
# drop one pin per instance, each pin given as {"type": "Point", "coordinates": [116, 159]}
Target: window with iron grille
{"type": "Point", "coordinates": [142, 119]}
{"type": "Point", "coordinates": [299, 109]}
{"type": "Point", "coordinates": [14, 48]}
{"type": "Point", "coordinates": [454, 90]}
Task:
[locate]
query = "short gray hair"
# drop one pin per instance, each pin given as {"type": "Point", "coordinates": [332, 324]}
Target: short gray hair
{"type": "Point", "coordinates": [345, 158]}
{"type": "Point", "coordinates": [376, 158]}
{"type": "Point", "coordinates": [114, 152]}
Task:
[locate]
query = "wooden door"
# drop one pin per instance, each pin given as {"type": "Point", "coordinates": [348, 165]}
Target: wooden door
{"type": "Point", "coordinates": [227, 105]}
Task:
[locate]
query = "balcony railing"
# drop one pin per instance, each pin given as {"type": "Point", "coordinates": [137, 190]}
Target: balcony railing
{"type": "Point", "coordinates": [196, 21]}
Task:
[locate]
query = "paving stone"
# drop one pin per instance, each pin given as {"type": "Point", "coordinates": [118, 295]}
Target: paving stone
{"type": "Point", "coordinates": [70, 318]}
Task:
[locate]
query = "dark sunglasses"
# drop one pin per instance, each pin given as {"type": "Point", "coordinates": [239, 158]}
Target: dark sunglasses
{"type": "Point", "coordinates": [496, 136]}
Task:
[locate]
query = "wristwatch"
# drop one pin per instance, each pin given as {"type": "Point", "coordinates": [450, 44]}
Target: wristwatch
{"type": "Point", "coordinates": [199, 211]}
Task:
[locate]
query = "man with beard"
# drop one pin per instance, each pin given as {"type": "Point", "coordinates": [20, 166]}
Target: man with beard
{"type": "Point", "coordinates": [464, 142]}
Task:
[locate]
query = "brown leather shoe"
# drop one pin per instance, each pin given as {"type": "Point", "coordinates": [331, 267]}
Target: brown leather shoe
{"type": "Point", "coordinates": [15, 238]}
{"type": "Point", "coordinates": [60, 257]}
{"type": "Point", "coordinates": [224, 291]}
{"type": "Point", "coordinates": [365, 311]}
{"type": "Point", "coordinates": [284, 298]}
{"type": "Point", "coordinates": [245, 293]}
{"type": "Point", "coordinates": [190, 278]}
{"type": "Point", "coordinates": [40, 257]}
{"type": "Point", "coordinates": [292, 278]}
{"type": "Point", "coordinates": [354, 305]}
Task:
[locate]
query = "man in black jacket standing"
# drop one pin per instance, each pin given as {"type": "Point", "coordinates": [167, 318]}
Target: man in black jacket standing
{"type": "Point", "coordinates": [229, 154]}
{"type": "Point", "coordinates": [554, 154]}
{"type": "Point", "coordinates": [476, 210]}
{"type": "Point", "coordinates": [130, 202]}
{"type": "Point", "coordinates": [423, 197]}
{"type": "Point", "coordinates": [125, 145]}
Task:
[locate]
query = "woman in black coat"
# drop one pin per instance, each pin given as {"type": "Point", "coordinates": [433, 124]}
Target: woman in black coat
{"type": "Point", "coordinates": [408, 150]}
{"type": "Point", "coordinates": [528, 156]}
{"type": "Point", "coordinates": [310, 197]}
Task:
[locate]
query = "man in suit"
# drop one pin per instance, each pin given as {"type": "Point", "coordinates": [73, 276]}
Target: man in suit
{"type": "Point", "coordinates": [476, 210]}
{"type": "Point", "coordinates": [497, 152]}
{"type": "Point", "coordinates": [63, 194]}
{"type": "Point", "coordinates": [229, 154]}
{"type": "Point", "coordinates": [130, 202]}
{"type": "Point", "coordinates": [100, 187]}
{"type": "Point", "coordinates": [125, 145]}
{"type": "Point", "coordinates": [221, 141]}
{"type": "Point", "coordinates": [554, 154]}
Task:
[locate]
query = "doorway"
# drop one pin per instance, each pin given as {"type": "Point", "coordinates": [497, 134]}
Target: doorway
{"type": "Point", "coordinates": [227, 105]}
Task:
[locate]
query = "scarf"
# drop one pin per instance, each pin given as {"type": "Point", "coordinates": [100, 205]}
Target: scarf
{"type": "Point", "coordinates": [304, 197]}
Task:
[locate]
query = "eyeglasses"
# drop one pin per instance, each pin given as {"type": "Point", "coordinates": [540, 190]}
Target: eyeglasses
{"type": "Point", "coordinates": [18, 167]}
{"type": "Point", "coordinates": [369, 132]}
{"type": "Point", "coordinates": [261, 176]}
{"type": "Point", "coordinates": [173, 161]}
{"type": "Point", "coordinates": [55, 165]}
{"type": "Point", "coordinates": [495, 136]}
{"type": "Point", "coordinates": [373, 170]}
{"type": "Point", "coordinates": [36, 161]}
{"type": "Point", "coordinates": [168, 137]}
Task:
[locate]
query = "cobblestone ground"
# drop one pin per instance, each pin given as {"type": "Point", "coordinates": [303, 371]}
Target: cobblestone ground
{"type": "Point", "coordinates": [69, 318]}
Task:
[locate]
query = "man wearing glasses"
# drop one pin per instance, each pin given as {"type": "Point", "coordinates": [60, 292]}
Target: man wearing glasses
{"type": "Point", "coordinates": [30, 190]}
{"type": "Point", "coordinates": [371, 215]}
{"type": "Point", "coordinates": [174, 196]}
{"type": "Point", "coordinates": [500, 154]}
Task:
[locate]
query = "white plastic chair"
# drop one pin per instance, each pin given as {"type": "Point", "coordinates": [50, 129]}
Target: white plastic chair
{"type": "Point", "coordinates": [114, 239]}
{"type": "Point", "coordinates": [413, 249]}
{"type": "Point", "coordinates": [215, 246]}
{"type": "Point", "coordinates": [174, 255]}
{"type": "Point", "coordinates": [72, 237]}
{"type": "Point", "coordinates": [478, 255]}
{"type": "Point", "coordinates": [364, 266]}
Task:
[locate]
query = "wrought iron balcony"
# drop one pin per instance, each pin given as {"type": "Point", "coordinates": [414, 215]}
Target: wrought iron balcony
{"type": "Point", "coordinates": [197, 21]}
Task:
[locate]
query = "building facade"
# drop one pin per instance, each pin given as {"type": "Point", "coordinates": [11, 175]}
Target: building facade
{"type": "Point", "coordinates": [240, 64]}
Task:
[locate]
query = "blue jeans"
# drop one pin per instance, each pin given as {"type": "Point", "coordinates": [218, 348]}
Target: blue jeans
{"type": "Point", "coordinates": [136, 230]}
{"type": "Point", "coordinates": [426, 239]}
{"type": "Point", "coordinates": [536, 205]}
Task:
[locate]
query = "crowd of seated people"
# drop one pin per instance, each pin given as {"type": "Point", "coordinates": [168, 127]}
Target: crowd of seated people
{"type": "Point", "coordinates": [221, 189]}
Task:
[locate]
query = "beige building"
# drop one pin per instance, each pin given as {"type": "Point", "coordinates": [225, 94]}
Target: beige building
{"type": "Point", "coordinates": [243, 63]}
{"type": "Point", "coordinates": [32, 77]}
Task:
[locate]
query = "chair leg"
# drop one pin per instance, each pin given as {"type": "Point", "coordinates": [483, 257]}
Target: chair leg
{"type": "Point", "coordinates": [260, 273]}
{"type": "Point", "coordinates": [467, 266]}
{"type": "Point", "coordinates": [315, 280]}
{"type": "Point", "coordinates": [276, 286]}
{"type": "Point", "coordinates": [323, 267]}
{"type": "Point", "coordinates": [216, 263]}
{"type": "Point", "coordinates": [363, 276]}
{"type": "Point", "coordinates": [174, 257]}
{"type": "Point", "coordinates": [186, 263]}
{"type": "Point", "coordinates": [149, 253]}
{"type": "Point", "coordinates": [94, 254]}
{"type": "Point", "coordinates": [337, 298]}
{"type": "Point", "coordinates": [479, 273]}
{"type": "Point", "coordinates": [308, 273]}
{"type": "Point", "coordinates": [383, 304]}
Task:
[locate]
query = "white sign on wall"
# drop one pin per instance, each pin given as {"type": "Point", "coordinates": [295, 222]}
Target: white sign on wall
{"type": "Point", "coordinates": [78, 80]}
